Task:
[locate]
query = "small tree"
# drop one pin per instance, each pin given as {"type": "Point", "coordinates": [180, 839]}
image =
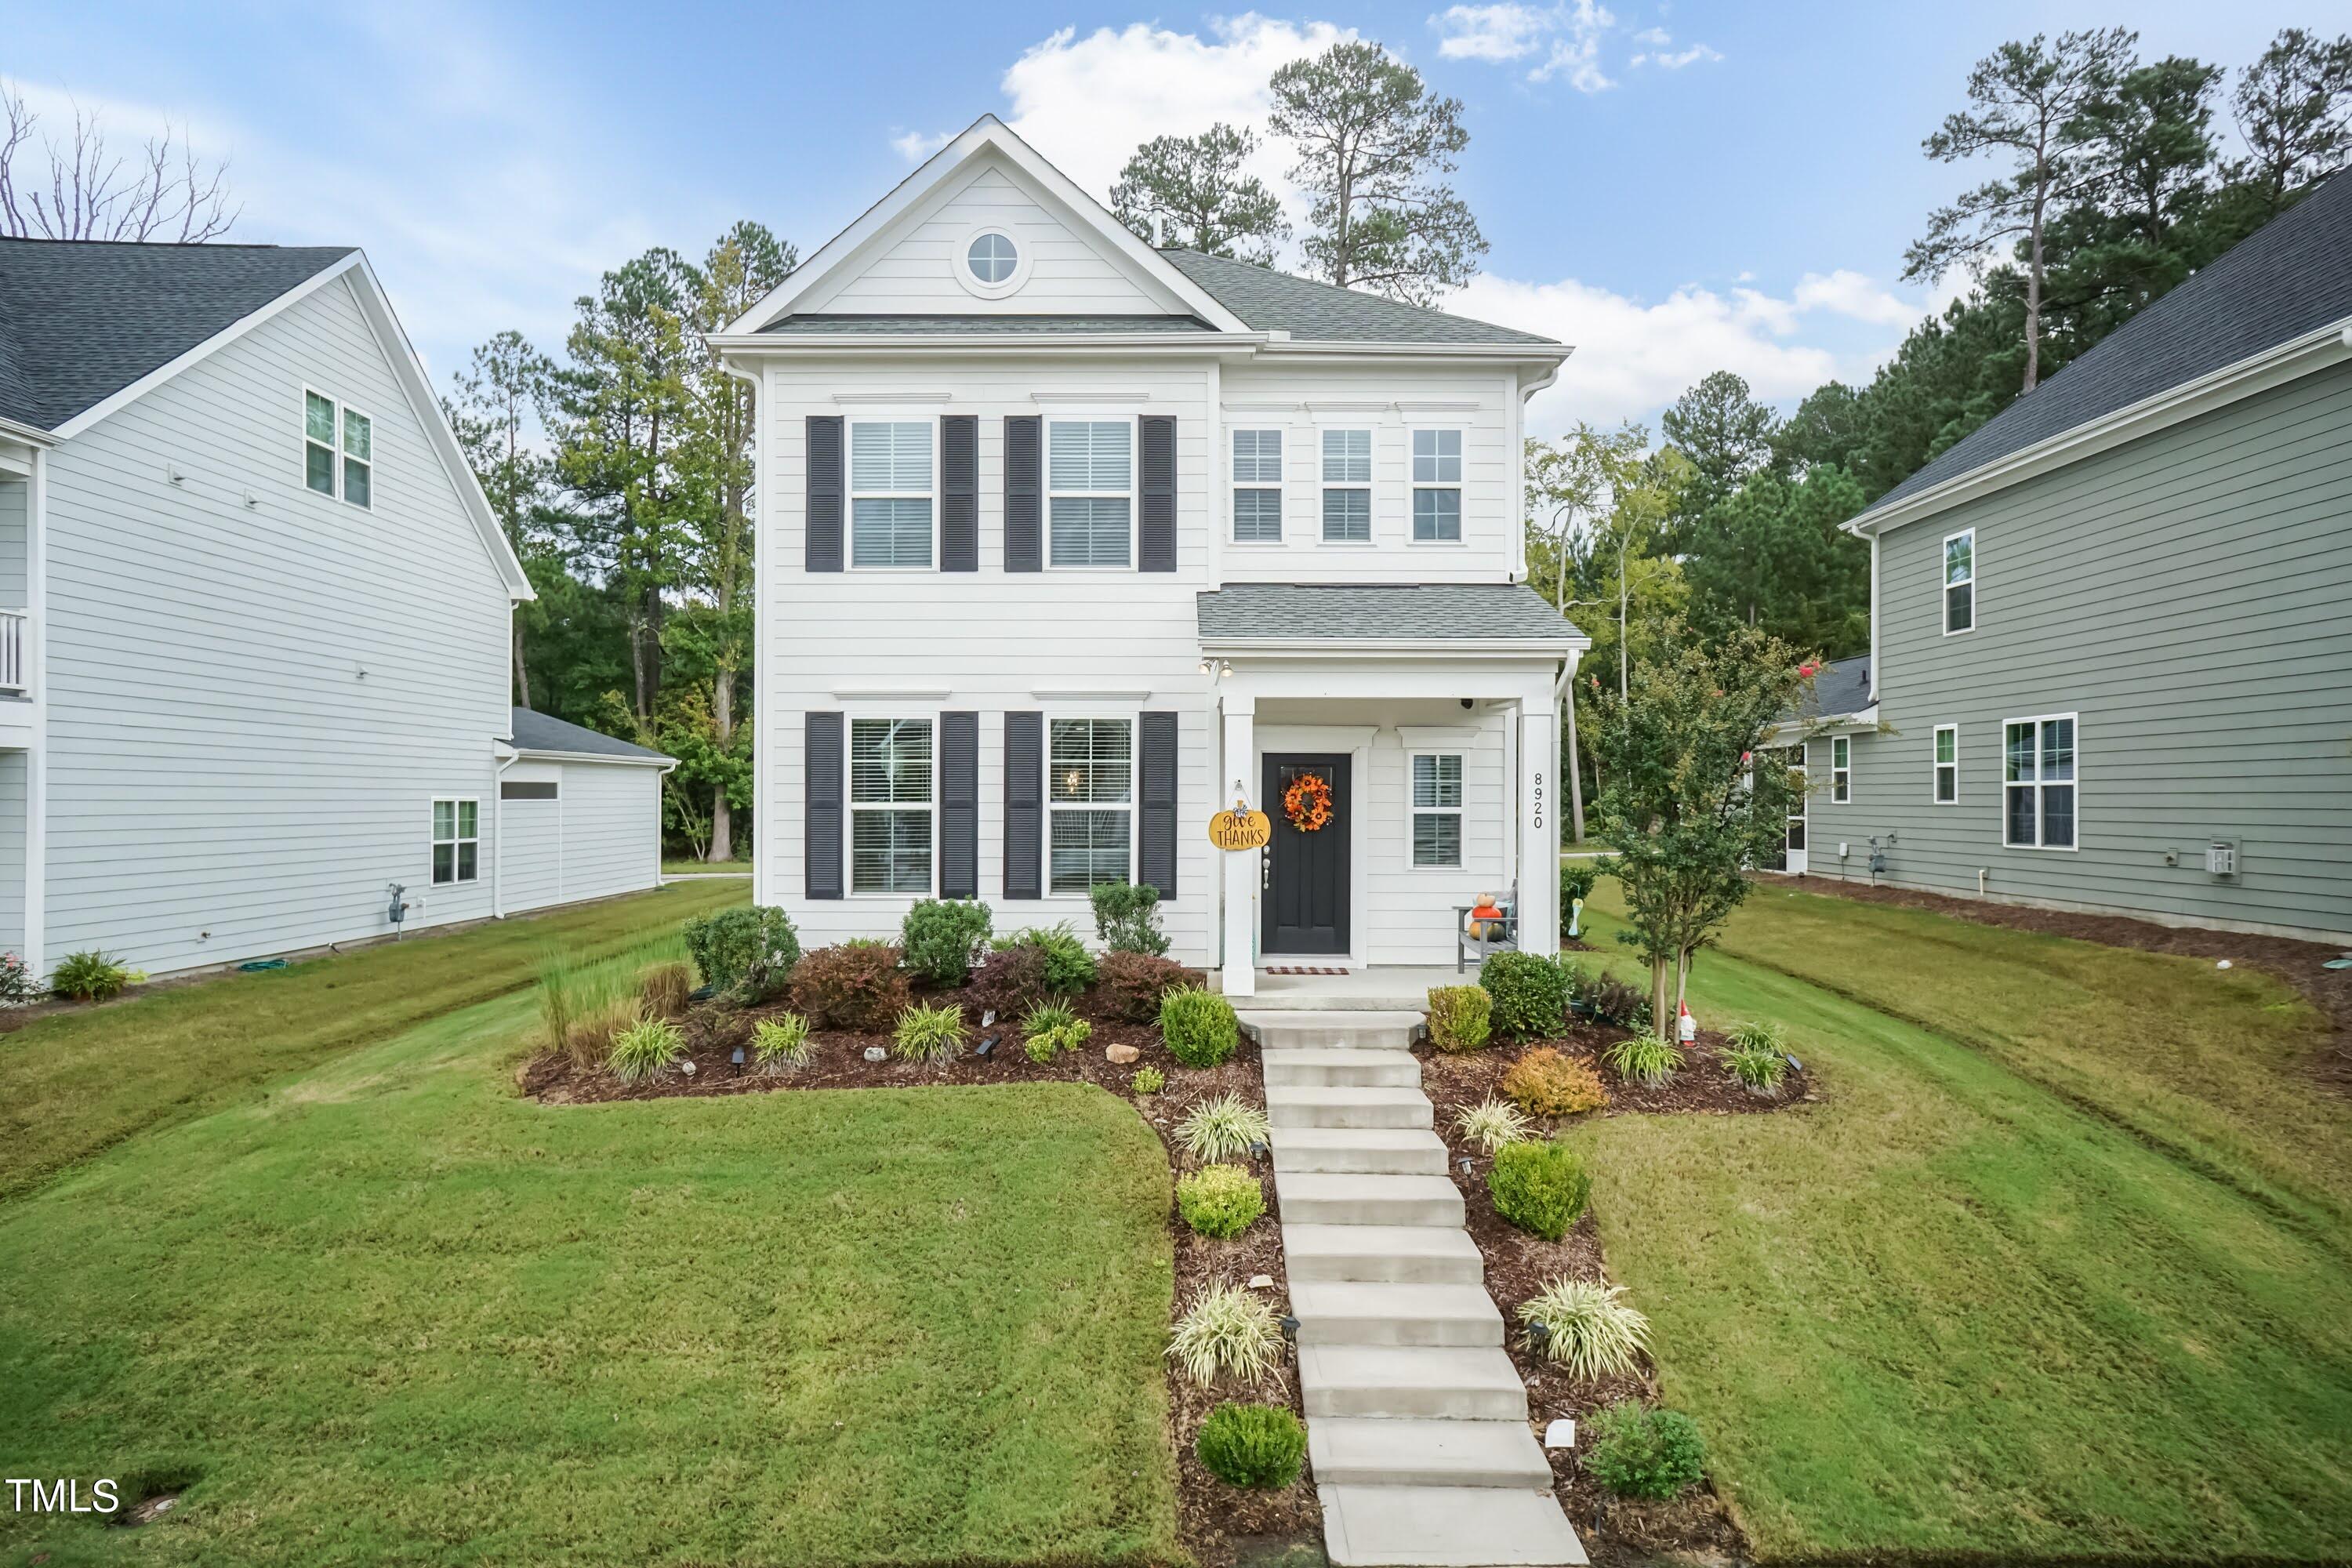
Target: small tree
{"type": "Point", "coordinates": [1692, 798]}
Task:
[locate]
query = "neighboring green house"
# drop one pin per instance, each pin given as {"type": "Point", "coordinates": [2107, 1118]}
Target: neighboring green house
{"type": "Point", "coordinates": [2111, 661]}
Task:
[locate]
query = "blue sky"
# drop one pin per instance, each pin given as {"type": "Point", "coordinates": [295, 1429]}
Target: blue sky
{"type": "Point", "coordinates": [1670, 187]}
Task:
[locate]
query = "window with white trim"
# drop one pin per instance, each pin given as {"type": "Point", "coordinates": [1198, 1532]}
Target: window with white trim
{"type": "Point", "coordinates": [2037, 773]}
{"type": "Point", "coordinates": [1947, 764]}
{"type": "Point", "coordinates": [991, 256]}
{"type": "Point", "coordinates": [1437, 808]}
{"type": "Point", "coordinates": [1090, 491]}
{"type": "Point", "coordinates": [1436, 487]}
{"type": "Point", "coordinates": [1960, 581]}
{"type": "Point", "coordinates": [1840, 770]}
{"type": "Point", "coordinates": [1089, 802]}
{"type": "Point", "coordinates": [1257, 486]}
{"type": "Point", "coordinates": [891, 805]}
{"type": "Point", "coordinates": [1348, 487]}
{"type": "Point", "coordinates": [890, 481]}
{"type": "Point", "coordinates": [337, 450]}
{"type": "Point", "coordinates": [456, 841]}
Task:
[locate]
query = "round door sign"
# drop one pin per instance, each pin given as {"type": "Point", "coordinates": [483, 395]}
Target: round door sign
{"type": "Point", "coordinates": [1239, 829]}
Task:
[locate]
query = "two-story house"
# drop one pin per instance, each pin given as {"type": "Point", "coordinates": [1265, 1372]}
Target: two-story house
{"type": "Point", "coordinates": [1066, 543]}
{"type": "Point", "coordinates": [2111, 663]}
{"type": "Point", "coordinates": [254, 628]}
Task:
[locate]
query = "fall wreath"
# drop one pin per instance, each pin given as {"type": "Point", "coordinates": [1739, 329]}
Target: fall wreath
{"type": "Point", "coordinates": [1308, 803]}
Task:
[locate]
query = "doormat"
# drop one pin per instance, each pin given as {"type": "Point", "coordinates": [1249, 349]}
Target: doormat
{"type": "Point", "coordinates": [1301, 969]}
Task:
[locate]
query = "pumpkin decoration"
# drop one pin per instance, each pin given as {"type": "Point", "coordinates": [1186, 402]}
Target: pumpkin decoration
{"type": "Point", "coordinates": [1308, 803]}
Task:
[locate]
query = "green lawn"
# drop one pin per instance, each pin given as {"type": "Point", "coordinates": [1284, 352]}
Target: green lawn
{"type": "Point", "coordinates": [74, 1083]}
{"type": "Point", "coordinates": [391, 1313]}
{"type": "Point", "coordinates": [706, 867]}
{"type": "Point", "coordinates": [1995, 1296]}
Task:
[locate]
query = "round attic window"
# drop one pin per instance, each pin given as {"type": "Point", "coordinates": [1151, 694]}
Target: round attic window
{"type": "Point", "coordinates": [991, 256]}
{"type": "Point", "coordinates": [988, 263]}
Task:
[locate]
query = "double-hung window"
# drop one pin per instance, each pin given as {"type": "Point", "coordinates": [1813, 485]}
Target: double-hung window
{"type": "Point", "coordinates": [1960, 581]}
{"type": "Point", "coordinates": [890, 478]}
{"type": "Point", "coordinates": [1840, 770]}
{"type": "Point", "coordinates": [1257, 486]}
{"type": "Point", "coordinates": [1090, 485]}
{"type": "Point", "coordinates": [456, 841]}
{"type": "Point", "coordinates": [337, 450]}
{"type": "Point", "coordinates": [1436, 808]}
{"type": "Point", "coordinates": [2038, 782]}
{"type": "Point", "coordinates": [1436, 487]}
{"type": "Point", "coordinates": [1947, 764]}
{"type": "Point", "coordinates": [1348, 487]}
{"type": "Point", "coordinates": [1090, 798]}
{"type": "Point", "coordinates": [891, 805]}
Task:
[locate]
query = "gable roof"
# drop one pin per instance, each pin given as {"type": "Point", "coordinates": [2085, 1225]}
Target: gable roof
{"type": "Point", "coordinates": [1323, 312]}
{"type": "Point", "coordinates": [2281, 285]}
{"type": "Point", "coordinates": [1381, 612]}
{"type": "Point", "coordinates": [534, 732]}
{"type": "Point", "coordinates": [81, 320]}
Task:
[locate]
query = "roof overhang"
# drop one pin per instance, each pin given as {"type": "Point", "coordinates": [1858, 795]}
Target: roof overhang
{"type": "Point", "coordinates": [2298, 357]}
{"type": "Point", "coordinates": [1451, 650]}
{"type": "Point", "coordinates": [30, 435]}
{"type": "Point", "coordinates": [531, 755]}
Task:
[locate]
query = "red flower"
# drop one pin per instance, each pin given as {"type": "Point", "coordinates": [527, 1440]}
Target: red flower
{"type": "Point", "coordinates": [1807, 670]}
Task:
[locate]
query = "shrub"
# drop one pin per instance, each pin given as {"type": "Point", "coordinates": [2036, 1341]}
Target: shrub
{"type": "Point", "coordinates": [1010, 982]}
{"type": "Point", "coordinates": [90, 976]}
{"type": "Point", "coordinates": [782, 1042]}
{"type": "Point", "coordinates": [855, 986]}
{"type": "Point", "coordinates": [1585, 1327]}
{"type": "Point", "coordinates": [1069, 967]}
{"type": "Point", "coordinates": [1530, 994]}
{"type": "Point", "coordinates": [1051, 1029]}
{"type": "Point", "coordinates": [1545, 1083]}
{"type": "Point", "coordinates": [943, 937]}
{"type": "Point", "coordinates": [1228, 1330]}
{"type": "Point", "coordinates": [1251, 1444]}
{"type": "Point", "coordinates": [16, 981]}
{"type": "Point", "coordinates": [1128, 985]}
{"type": "Point", "coordinates": [1539, 1187]}
{"type": "Point", "coordinates": [645, 1049]}
{"type": "Point", "coordinates": [1492, 1124]}
{"type": "Point", "coordinates": [748, 949]}
{"type": "Point", "coordinates": [1148, 1080]}
{"type": "Point", "coordinates": [1199, 1026]}
{"type": "Point", "coordinates": [1219, 1201]}
{"type": "Point", "coordinates": [1644, 1059]}
{"type": "Point", "coordinates": [1614, 1002]}
{"type": "Point", "coordinates": [665, 989]}
{"type": "Point", "coordinates": [929, 1034]}
{"type": "Point", "coordinates": [1222, 1129]}
{"type": "Point", "coordinates": [1643, 1453]}
{"type": "Point", "coordinates": [1126, 918]}
{"type": "Point", "coordinates": [1754, 1037]}
{"type": "Point", "coordinates": [1460, 1017]}
{"type": "Point", "coordinates": [1576, 880]}
{"type": "Point", "coordinates": [1758, 1067]}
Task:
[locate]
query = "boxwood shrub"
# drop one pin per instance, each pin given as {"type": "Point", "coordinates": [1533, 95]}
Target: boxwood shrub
{"type": "Point", "coordinates": [1251, 1446]}
{"type": "Point", "coordinates": [1530, 995]}
{"type": "Point", "coordinates": [1539, 1187]}
{"type": "Point", "coordinates": [943, 937]}
{"type": "Point", "coordinates": [1199, 1027]}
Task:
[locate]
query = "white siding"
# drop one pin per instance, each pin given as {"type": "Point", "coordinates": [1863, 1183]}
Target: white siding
{"type": "Point", "coordinates": [12, 851]}
{"type": "Point", "coordinates": [612, 830]}
{"type": "Point", "coordinates": [1408, 910]}
{"type": "Point", "coordinates": [530, 841]}
{"type": "Point", "coordinates": [14, 505]}
{"type": "Point", "coordinates": [252, 707]}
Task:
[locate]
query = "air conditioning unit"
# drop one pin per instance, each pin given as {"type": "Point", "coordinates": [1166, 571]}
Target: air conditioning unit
{"type": "Point", "coordinates": [2221, 859]}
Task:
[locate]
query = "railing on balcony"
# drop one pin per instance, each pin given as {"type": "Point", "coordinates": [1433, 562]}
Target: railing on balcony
{"type": "Point", "coordinates": [14, 639]}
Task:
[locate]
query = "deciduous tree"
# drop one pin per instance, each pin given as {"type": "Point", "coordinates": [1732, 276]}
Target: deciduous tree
{"type": "Point", "coordinates": [84, 189]}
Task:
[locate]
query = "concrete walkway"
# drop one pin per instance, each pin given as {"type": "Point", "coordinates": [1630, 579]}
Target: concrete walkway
{"type": "Point", "coordinates": [1416, 1420]}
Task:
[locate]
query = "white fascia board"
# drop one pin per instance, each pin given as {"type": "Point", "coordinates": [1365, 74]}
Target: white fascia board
{"type": "Point", "coordinates": [527, 755]}
{"type": "Point", "coordinates": [984, 134]}
{"type": "Point", "coordinates": [1446, 650]}
{"type": "Point", "coordinates": [30, 435]}
{"type": "Point", "coordinates": [934, 343]}
{"type": "Point", "coordinates": [2249, 377]}
{"type": "Point", "coordinates": [1536, 354]}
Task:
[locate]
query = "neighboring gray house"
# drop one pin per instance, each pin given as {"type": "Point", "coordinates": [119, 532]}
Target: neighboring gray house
{"type": "Point", "coordinates": [254, 619]}
{"type": "Point", "coordinates": [2111, 661]}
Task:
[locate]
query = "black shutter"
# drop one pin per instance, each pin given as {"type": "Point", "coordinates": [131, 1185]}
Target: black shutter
{"type": "Point", "coordinates": [1022, 485]}
{"type": "Point", "coordinates": [960, 492]}
{"type": "Point", "coordinates": [821, 847]}
{"type": "Point", "coordinates": [1156, 831]}
{"type": "Point", "coordinates": [960, 805]}
{"type": "Point", "coordinates": [1025, 809]}
{"type": "Point", "coordinates": [825, 496]}
{"type": "Point", "coordinates": [1155, 549]}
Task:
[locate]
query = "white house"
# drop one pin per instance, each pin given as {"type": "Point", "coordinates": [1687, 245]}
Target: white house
{"type": "Point", "coordinates": [254, 612]}
{"type": "Point", "coordinates": [1067, 543]}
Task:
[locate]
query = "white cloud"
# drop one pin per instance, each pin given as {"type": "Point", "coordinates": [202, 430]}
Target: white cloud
{"type": "Point", "coordinates": [1491, 32]}
{"type": "Point", "coordinates": [1578, 59]}
{"type": "Point", "coordinates": [1848, 293]}
{"type": "Point", "coordinates": [916, 145]}
{"type": "Point", "coordinates": [1656, 37]}
{"type": "Point", "coordinates": [1681, 57]}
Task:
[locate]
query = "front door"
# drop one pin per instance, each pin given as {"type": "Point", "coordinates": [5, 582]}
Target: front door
{"type": "Point", "coordinates": [1797, 819]}
{"type": "Point", "coordinates": [1304, 902]}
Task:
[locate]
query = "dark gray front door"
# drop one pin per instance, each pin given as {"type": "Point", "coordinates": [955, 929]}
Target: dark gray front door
{"type": "Point", "coordinates": [1305, 895]}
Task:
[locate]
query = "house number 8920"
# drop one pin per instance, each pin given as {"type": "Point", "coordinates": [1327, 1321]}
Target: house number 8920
{"type": "Point", "coordinates": [1538, 798]}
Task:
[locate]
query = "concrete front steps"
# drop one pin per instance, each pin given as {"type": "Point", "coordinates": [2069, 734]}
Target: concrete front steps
{"type": "Point", "coordinates": [1416, 1419]}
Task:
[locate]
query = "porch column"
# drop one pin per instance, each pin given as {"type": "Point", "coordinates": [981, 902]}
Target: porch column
{"type": "Point", "coordinates": [1242, 866]}
{"type": "Point", "coordinates": [1539, 829]}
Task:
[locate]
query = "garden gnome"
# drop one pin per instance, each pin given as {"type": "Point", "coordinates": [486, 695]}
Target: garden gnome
{"type": "Point", "coordinates": [1686, 1026]}
{"type": "Point", "coordinates": [1575, 915]}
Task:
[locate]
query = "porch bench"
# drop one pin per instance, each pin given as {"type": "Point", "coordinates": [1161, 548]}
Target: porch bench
{"type": "Point", "coordinates": [1464, 944]}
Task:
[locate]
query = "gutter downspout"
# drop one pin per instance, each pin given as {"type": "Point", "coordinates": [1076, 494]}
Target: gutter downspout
{"type": "Point", "coordinates": [498, 817]}
{"type": "Point", "coordinates": [760, 662]}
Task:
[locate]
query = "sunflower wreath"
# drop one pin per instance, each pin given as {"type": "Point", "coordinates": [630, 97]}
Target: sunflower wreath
{"type": "Point", "coordinates": [1308, 803]}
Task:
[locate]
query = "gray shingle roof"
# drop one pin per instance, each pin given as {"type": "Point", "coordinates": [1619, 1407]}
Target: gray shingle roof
{"type": "Point", "coordinates": [81, 319]}
{"type": "Point", "coordinates": [1267, 301]}
{"type": "Point", "coordinates": [793, 326]}
{"type": "Point", "coordinates": [533, 731]}
{"type": "Point", "coordinates": [1257, 611]}
{"type": "Point", "coordinates": [1841, 687]}
{"type": "Point", "coordinates": [2288, 277]}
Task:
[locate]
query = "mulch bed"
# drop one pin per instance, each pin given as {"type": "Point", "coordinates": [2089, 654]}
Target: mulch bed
{"type": "Point", "coordinates": [2296, 963]}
